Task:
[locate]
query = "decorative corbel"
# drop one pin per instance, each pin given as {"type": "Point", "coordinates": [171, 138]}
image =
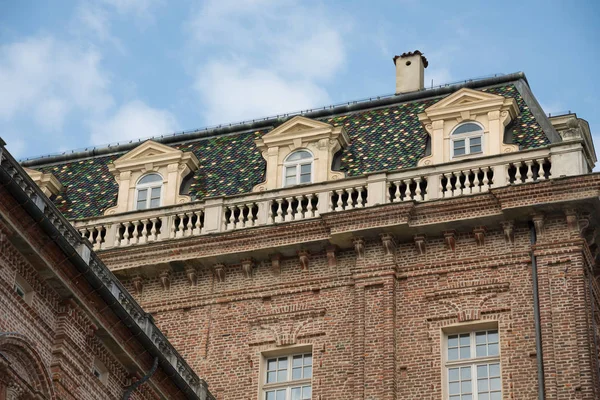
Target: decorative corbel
{"type": "Point", "coordinates": [450, 239]}
{"type": "Point", "coordinates": [192, 275]}
{"type": "Point", "coordinates": [276, 263]}
{"type": "Point", "coordinates": [247, 267]}
{"type": "Point", "coordinates": [479, 233]}
{"type": "Point", "coordinates": [165, 279]}
{"type": "Point", "coordinates": [420, 241]}
{"type": "Point", "coordinates": [538, 223]}
{"type": "Point", "coordinates": [303, 256]}
{"type": "Point", "coordinates": [138, 284]}
{"type": "Point", "coordinates": [331, 259]}
{"type": "Point", "coordinates": [509, 231]}
{"type": "Point", "coordinates": [572, 220]}
{"type": "Point", "coordinates": [583, 223]}
{"type": "Point", "coordinates": [219, 272]}
{"type": "Point", "coordinates": [389, 244]}
{"type": "Point", "coordinates": [359, 247]}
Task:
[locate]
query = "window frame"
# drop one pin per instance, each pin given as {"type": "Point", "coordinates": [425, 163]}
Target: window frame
{"type": "Point", "coordinates": [467, 137]}
{"type": "Point", "coordinates": [472, 362]}
{"type": "Point", "coordinates": [20, 284]}
{"type": "Point", "coordinates": [298, 164]}
{"type": "Point", "coordinates": [290, 383]}
{"type": "Point", "coordinates": [148, 187]}
{"type": "Point", "coordinates": [99, 371]}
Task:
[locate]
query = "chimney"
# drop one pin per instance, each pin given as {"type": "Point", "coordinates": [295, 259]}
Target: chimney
{"type": "Point", "coordinates": [410, 71]}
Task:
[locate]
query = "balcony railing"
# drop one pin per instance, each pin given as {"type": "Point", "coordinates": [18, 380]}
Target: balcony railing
{"type": "Point", "coordinates": [222, 214]}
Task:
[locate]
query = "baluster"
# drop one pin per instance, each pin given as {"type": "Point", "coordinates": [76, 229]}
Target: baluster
{"type": "Point", "coordinates": [143, 235]}
{"type": "Point", "coordinates": [310, 210]}
{"type": "Point", "coordinates": [340, 202]}
{"type": "Point", "coordinates": [83, 233]}
{"type": "Point", "coordinates": [290, 209]}
{"type": "Point", "coordinates": [299, 213]}
{"type": "Point", "coordinates": [173, 227]}
{"type": "Point", "coordinates": [118, 235]}
{"type": "Point", "coordinates": [486, 180]}
{"type": "Point", "coordinates": [330, 205]}
{"type": "Point", "coordinates": [418, 196]}
{"type": "Point", "coordinates": [424, 190]}
{"type": "Point", "coordinates": [126, 233]}
{"type": "Point", "coordinates": [270, 213]}
{"type": "Point", "coordinates": [397, 194]}
{"type": "Point", "coordinates": [153, 222]}
{"type": "Point", "coordinates": [181, 225]}
{"type": "Point", "coordinates": [529, 170]}
{"type": "Point", "coordinates": [359, 198]}
{"type": "Point", "coordinates": [231, 222]}
{"type": "Point", "coordinates": [198, 225]}
{"type": "Point", "coordinates": [541, 172]}
{"type": "Point", "coordinates": [279, 217]}
{"type": "Point", "coordinates": [249, 220]}
{"type": "Point", "coordinates": [136, 232]}
{"type": "Point", "coordinates": [442, 187]}
{"type": "Point", "coordinates": [349, 202]}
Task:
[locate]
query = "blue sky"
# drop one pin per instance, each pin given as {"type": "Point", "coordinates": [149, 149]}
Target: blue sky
{"type": "Point", "coordinates": [80, 73]}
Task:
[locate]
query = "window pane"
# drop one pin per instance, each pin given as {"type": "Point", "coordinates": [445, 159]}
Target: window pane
{"type": "Point", "coordinates": [307, 372]}
{"type": "Point", "coordinates": [272, 364]}
{"type": "Point", "coordinates": [154, 203]}
{"type": "Point", "coordinates": [283, 362]}
{"type": "Point", "coordinates": [475, 149]}
{"type": "Point", "coordinates": [290, 171]}
{"type": "Point", "coordinates": [281, 394]}
{"type": "Point", "coordinates": [481, 350]}
{"type": "Point", "coordinates": [465, 387]}
{"type": "Point", "coordinates": [290, 181]}
{"type": "Point", "coordinates": [141, 205]}
{"type": "Point", "coordinates": [459, 144]}
{"type": "Point", "coordinates": [150, 178]}
{"type": "Point", "coordinates": [142, 194]}
{"type": "Point", "coordinates": [482, 371]}
{"type": "Point", "coordinates": [454, 388]}
{"type": "Point", "coordinates": [454, 397]}
{"type": "Point", "coordinates": [155, 194]}
{"type": "Point", "coordinates": [453, 341]}
{"type": "Point", "coordinates": [492, 336]}
{"type": "Point", "coordinates": [271, 376]}
{"type": "Point", "coordinates": [482, 385]}
{"type": "Point", "coordinates": [496, 396]}
{"type": "Point", "coordinates": [465, 340]}
{"type": "Point", "coordinates": [453, 374]}
{"type": "Point", "coordinates": [465, 352]}
{"type": "Point", "coordinates": [308, 359]}
{"type": "Point", "coordinates": [297, 361]}
{"type": "Point", "coordinates": [452, 354]}
{"type": "Point", "coordinates": [305, 169]}
{"type": "Point", "coordinates": [282, 375]}
{"type": "Point", "coordinates": [495, 384]}
{"type": "Point", "coordinates": [467, 397]}
{"type": "Point", "coordinates": [299, 155]}
{"type": "Point", "coordinates": [466, 128]}
{"type": "Point", "coordinates": [480, 337]}
{"type": "Point", "coordinates": [305, 178]}
{"type": "Point", "coordinates": [475, 140]}
{"type": "Point", "coordinates": [306, 392]}
{"type": "Point", "coordinates": [270, 396]}
{"type": "Point", "coordinates": [465, 373]}
{"type": "Point", "coordinates": [494, 369]}
{"type": "Point", "coordinates": [493, 349]}
{"type": "Point", "coordinates": [297, 373]}
{"type": "Point", "coordinates": [297, 393]}
{"type": "Point", "coordinates": [483, 396]}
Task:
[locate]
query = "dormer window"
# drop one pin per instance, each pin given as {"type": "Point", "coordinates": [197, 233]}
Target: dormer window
{"type": "Point", "coordinates": [466, 139]}
{"type": "Point", "coordinates": [298, 168]}
{"type": "Point", "coordinates": [149, 192]}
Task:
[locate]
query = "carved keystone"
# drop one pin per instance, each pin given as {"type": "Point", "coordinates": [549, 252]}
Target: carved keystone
{"type": "Point", "coordinates": [192, 275]}
{"type": "Point", "coordinates": [165, 279]}
{"type": "Point", "coordinates": [219, 272]}
{"type": "Point", "coordinates": [359, 247]}
{"type": "Point", "coordinates": [331, 259]}
{"type": "Point", "coordinates": [303, 256]}
{"type": "Point", "coordinates": [138, 284]}
{"type": "Point", "coordinates": [247, 267]}
{"type": "Point", "coordinates": [276, 263]}
{"type": "Point", "coordinates": [479, 233]}
{"type": "Point", "coordinates": [509, 231]}
{"type": "Point", "coordinates": [450, 239]}
{"type": "Point", "coordinates": [538, 223]}
{"type": "Point", "coordinates": [420, 241]}
{"type": "Point", "coordinates": [389, 244]}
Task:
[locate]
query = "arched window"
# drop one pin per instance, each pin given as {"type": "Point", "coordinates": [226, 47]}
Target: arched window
{"type": "Point", "coordinates": [467, 139]}
{"type": "Point", "coordinates": [297, 168]}
{"type": "Point", "coordinates": [149, 192]}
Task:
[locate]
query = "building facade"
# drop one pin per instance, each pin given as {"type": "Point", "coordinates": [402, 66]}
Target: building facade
{"type": "Point", "coordinates": [433, 244]}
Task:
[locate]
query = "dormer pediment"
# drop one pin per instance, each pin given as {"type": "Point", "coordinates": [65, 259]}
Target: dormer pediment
{"type": "Point", "coordinates": [466, 103]}
{"type": "Point", "coordinates": [301, 131]}
{"type": "Point", "coordinates": [155, 153]}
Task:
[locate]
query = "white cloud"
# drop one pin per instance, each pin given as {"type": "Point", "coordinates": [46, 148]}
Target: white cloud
{"type": "Point", "coordinates": [133, 120]}
{"type": "Point", "coordinates": [139, 8]}
{"type": "Point", "coordinates": [269, 57]}
{"type": "Point", "coordinates": [235, 92]}
{"type": "Point", "coordinates": [50, 78]}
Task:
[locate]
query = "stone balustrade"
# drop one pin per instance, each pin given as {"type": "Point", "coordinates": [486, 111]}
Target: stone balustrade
{"type": "Point", "coordinates": [468, 176]}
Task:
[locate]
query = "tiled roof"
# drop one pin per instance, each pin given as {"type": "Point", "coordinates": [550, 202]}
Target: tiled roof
{"type": "Point", "coordinates": [380, 139]}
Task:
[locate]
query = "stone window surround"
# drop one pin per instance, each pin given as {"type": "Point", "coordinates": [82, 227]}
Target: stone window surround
{"type": "Point", "coordinates": [22, 285]}
{"type": "Point", "coordinates": [100, 371]}
{"type": "Point", "coordinates": [289, 352]}
{"type": "Point", "coordinates": [298, 164]}
{"type": "Point", "coordinates": [471, 328]}
{"type": "Point", "coordinates": [491, 111]}
{"type": "Point", "coordinates": [151, 157]}
{"type": "Point", "coordinates": [467, 137]}
{"type": "Point", "coordinates": [321, 139]}
{"type": "Point", "coordinates": [148, 187]}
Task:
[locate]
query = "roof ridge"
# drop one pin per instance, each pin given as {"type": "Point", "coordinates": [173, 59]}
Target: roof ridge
{"type": "Point", "coordinates": [268, 122]}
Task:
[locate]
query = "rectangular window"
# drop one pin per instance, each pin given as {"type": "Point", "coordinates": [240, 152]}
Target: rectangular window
{"type": "Point", "coordinates": [475, 145]}
{"type": "Point", "coordinates": [155, 197]}
{"type": "Point", "coordinates": [305, 173]}
{"type": "Point", "coordinates": [290, 176]}
{"type": "Point", "coordinates": [472, 363]}
{"type": "Point", "coordinates": [141, 199]}
{"type": "Point", "coordinates": [459, 147]}
{"type": "Point", "coordinates": [23, 289]}
{"type": "Point", "coordinates": [288, 377]}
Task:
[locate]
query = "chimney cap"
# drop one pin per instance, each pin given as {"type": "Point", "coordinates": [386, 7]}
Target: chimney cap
{"type": "Point", "coordinates": [410, 54]}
